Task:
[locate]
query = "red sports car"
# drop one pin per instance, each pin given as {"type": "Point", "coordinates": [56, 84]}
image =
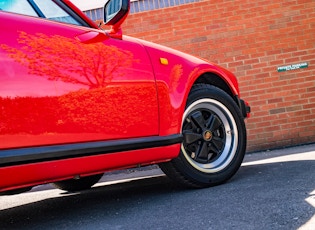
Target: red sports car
{"type": "Point", "coordinates": [77, 101]}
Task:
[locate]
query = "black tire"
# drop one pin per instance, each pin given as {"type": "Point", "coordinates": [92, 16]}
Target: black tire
{"type": "Point", "coordinates": [214, 139]}
{"type": "Point", "coordinates": [74, 185]}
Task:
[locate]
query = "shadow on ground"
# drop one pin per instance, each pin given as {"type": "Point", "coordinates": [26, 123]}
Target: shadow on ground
{"type": "Point", "coordinates": [259, 196]}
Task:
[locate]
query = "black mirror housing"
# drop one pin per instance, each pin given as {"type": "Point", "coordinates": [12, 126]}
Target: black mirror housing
{"type": "Point", "coordinates": [115, 12]}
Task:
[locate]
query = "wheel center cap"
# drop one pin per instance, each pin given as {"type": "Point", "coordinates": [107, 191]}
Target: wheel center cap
{"type": "Point", "coordinates": [207, 136]}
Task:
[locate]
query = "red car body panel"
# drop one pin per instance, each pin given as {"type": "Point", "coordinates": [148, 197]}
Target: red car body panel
{"type": "Point", "coordinates": [176, 79]}
{"type": "Point", "coordinates": [28, 175]}
{"type": "Point", "coordinates": [56, 102]}
{"type": "Point", "coordinates": [62, 85]}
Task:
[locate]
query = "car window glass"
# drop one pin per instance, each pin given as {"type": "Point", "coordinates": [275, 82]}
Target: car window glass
{"type": "Point", "coordinates": [17, 6]}
{"type": "Point", "coordinates": [53, 12]}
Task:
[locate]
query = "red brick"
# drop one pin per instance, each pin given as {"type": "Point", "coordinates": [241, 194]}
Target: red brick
{"type": "Point", "coordinates": [252, 39]}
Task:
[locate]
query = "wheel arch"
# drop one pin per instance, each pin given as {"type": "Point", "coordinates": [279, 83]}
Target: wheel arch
{"type": "Point", "coordinates": [220, 78]}
{"type": "Point", "coordinates": [214, 79]}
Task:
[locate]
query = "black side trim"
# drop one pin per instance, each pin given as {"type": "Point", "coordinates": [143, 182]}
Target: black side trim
{"type": "Point", "coordinates": [56, 152]}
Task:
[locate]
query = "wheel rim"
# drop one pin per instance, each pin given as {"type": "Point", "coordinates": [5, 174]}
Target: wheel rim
{"type": "Point", "coordinates": [210, 135]}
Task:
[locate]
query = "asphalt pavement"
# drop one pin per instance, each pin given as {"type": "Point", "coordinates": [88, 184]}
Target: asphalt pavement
{"type": "Point", "coordinates": [272, 190]}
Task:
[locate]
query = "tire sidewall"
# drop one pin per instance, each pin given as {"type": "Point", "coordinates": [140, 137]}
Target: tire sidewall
{"type": "Point", "coordinates": [210, 92]}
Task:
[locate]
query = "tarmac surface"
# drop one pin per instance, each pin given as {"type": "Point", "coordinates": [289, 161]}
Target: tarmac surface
{"type": "Point", "coordinates": [272, 190]}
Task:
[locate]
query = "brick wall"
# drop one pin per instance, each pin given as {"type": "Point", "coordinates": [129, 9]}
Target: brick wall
{"type": "Point", "coordinates": [252, 39]}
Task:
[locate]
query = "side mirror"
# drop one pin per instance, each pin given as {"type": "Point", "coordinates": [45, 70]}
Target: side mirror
{"type": "Point", "coordinates": [115, 13]}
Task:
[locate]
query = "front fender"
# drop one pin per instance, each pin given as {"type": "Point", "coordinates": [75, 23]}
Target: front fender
{"type": "Point", "coordinates": [175, 74]}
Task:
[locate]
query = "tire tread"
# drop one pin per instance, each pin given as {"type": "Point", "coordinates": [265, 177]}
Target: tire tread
{"type": "Point", "coordinates": [173, 168]}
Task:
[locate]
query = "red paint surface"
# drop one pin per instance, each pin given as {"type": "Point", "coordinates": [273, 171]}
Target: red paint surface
{"type": "Point", "coordinates": [61, 84]}
{"type": "Point", "coordinates": [72, 85]}
{"type": "Point", "coordinates": [40, 173]}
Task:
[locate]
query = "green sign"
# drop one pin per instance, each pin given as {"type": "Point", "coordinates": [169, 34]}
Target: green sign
{"type": "Point", "coordinates": [293, 67]}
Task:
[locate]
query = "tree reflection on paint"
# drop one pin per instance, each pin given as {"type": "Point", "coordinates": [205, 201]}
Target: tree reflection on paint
{"type": "Point", "coordinates": [176, 74]}
{"type": "Point", "coordinates": [69, 60]}
{"type": "Point", "coordinates": [99, 106]}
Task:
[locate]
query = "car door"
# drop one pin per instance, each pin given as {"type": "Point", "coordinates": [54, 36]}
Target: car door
{"type": "Point", "coordinates": [63, 83]}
